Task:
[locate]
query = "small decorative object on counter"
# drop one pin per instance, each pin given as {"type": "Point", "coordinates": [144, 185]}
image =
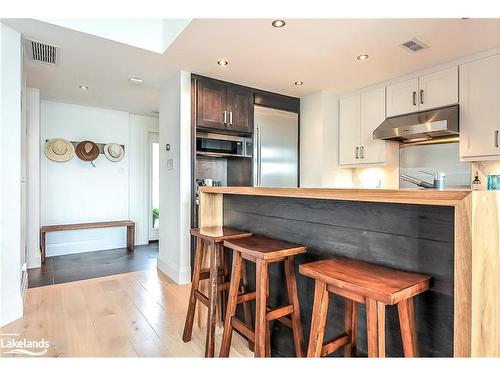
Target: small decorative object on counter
{"type": "Point", "coordinates": [59, 149]}
{"type": "Point", "coordinates": [114, 152]}
{"type": "Point", "coordinates": [494, 182]}
{"type": "Point", "coordinates": [439, 180]}
{"type": "Point", "coordinates": [476, 183]}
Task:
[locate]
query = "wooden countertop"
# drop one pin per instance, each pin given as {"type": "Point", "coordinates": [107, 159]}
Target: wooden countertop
{"type": "Point", "coordinates": [406, 196]}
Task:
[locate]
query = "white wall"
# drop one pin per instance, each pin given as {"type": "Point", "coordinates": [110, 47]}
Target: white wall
{"type": "Point", "coordinates": [11, 304]}
{"type": "Point", "coordinates": [33, 183]}
{"type": "Point", "coordinates": [319, 150]}
{"type": "Point", "coordinates": [319, 140]}
{"type": "Point", "coordinates": [76, 192]}
{"type": "Point", "coordinates": [175, 181]}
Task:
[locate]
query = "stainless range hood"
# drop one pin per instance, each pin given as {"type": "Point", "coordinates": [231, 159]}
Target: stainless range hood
{"type": "Point", "coordinates": [420, 126]}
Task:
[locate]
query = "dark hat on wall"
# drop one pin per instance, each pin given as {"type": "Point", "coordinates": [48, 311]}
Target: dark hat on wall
{"type": "Point", "coordinates": [87, 151]}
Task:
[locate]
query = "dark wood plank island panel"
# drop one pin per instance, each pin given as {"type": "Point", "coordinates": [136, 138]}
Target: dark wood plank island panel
{"type": "Point", "coordinates": [407, 237]}
{"type": "Point", "coordinates": [454, 236]}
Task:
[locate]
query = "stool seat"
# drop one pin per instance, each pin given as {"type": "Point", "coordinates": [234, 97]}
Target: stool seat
{"type": "Point", "coordinates": [381, 283]}
{"type": "Point", "coordinates": [264, 247]}
{"type": "Point", "coordinates": [218, 234]}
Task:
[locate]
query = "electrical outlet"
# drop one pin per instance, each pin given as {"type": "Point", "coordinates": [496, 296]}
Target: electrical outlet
{"type": "Point", "coordinates": [170, 163]}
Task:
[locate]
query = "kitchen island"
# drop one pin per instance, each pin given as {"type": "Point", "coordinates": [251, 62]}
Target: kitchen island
{"type": "Point", "coordinates": [452, 236]}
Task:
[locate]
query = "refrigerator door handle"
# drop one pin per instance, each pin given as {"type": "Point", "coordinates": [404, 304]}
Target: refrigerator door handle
{"type": "Point", "coordinates": [259, 157]}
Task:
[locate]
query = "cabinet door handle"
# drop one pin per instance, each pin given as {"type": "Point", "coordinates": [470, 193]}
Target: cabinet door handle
{"type": "Point", "coordinates": [422, 96]}
{"type": "Point", "coordinates": [414, 98]}
{"type": "Point", "coordinates": [362, 153]}
{"type": "Point", "coordinates": [357, 152]}
{"type": "Point", "coordinates": [231, 118]}
{"type": "Point", "coordinates": [496, 138]}
{"type": "Point", "coordinates": [224, 117]}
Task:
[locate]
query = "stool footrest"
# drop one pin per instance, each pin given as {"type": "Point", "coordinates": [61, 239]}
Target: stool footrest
{"type": "Point", "coordinates": [246, 297]}
{"type": "Point", "coordinates": [336, 343]}
{"type": "Point", "coordinates": [201, 297]}
{"type": "Point", "coordinates": [279, 312]}
{"type": "Point", "coordinates": [205, 274]}
{"type": "Point", "coordinates": [244, 329]}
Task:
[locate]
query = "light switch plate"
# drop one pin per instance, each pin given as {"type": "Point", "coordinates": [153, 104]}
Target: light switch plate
{"type": "Point", "coordinates": [170, 163]}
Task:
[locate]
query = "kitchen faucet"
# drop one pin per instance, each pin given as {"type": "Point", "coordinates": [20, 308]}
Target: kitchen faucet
{"type": "Point", "coordinates": [438, 180]}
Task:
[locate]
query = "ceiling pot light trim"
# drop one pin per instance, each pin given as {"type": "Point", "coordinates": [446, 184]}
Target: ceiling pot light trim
{"type": "Point", "coordinates": [136, 80]}
{"type": "Point", "coordinates": [278, 23]}
{"type": "Point", "coordinates": [298, 83]}
{"type": "Point", "coordinates": [362, 57]}
{"type": "Point", "coordinates": [222, 62]}
{"type": "Point", "coordinates": [83, 87]}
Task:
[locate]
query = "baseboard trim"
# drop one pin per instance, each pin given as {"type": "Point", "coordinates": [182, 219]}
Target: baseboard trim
{"type": "Point", "coordinates": [181, 275]}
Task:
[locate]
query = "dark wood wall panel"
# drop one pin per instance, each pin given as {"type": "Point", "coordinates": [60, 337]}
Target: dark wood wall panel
{"type": "Point", "coordinates": [408, 237]}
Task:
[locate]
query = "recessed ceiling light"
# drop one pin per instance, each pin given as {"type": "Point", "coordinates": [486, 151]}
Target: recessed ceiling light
{"type": "Point", "coordinates": [222, 62]}
{"type": "Point", "coordinates": [279, 23]}
{"type": "Point", "coordinates": [83, 87]}
{"type": "Point", "coordinates": [136, 80]}
{"type": "Point", "coordinates": [298, 83]}
{"type": "Point", "coordinates": [362, 57]}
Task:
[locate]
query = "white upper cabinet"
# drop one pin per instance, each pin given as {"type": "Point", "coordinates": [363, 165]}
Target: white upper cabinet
{"type": "Point", "coordinates": [402, 97]}
{"type": "Point", "coordinates": [438, 89]}
{"type": "Point", "coordinates": [350, 129]}
{"type": "Point", "coordinates": [360, 114]}
{"type": "Point", "coordinates": [429, 91]}
{"type": "Point", "coordinates": [372, 115]}
{"type": "Point", "coordinates": [480, 109]}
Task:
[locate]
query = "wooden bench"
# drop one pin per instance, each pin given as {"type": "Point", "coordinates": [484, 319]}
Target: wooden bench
{"type": "Point", "coordinates": [104, 224]}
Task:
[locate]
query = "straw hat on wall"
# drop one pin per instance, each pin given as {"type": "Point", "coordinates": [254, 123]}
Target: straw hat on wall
{"type": "Point", "coordinates": [87, 151]}
{"type": "Point", "coordinates": [59, 149]}
{"type": "Point", "coordinates": [114, 151]}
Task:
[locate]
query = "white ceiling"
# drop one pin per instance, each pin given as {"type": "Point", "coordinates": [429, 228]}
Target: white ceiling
{"type": "Point", "coordinates": [322, 53]}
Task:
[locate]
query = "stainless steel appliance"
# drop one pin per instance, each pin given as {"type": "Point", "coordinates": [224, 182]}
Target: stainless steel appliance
{"type": "Point", "coordinates": [275, 162]}
{"type": "Point", "coordinates": [223, 145]}
{"type": "Point", "coordinates": [420, 126]}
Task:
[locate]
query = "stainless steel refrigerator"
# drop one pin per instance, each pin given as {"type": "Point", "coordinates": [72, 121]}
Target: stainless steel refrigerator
{"type": "Point", "coordinates": [276, 137]}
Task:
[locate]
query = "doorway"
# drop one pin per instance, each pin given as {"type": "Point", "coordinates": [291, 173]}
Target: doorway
{"type": "Point", "coordinates": [154, 187]}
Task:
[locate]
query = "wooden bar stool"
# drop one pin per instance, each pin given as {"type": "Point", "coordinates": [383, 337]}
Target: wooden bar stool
{"type": "Point", "coordinates": [361, 282]}
{"type": "Point", "coordinates": [211, 239]}
{"type": "Point", "coordinates": [262, 251]}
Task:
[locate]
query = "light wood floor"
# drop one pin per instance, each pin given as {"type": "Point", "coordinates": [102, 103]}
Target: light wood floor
{"type": "Point", "coordinates": [139, 314]}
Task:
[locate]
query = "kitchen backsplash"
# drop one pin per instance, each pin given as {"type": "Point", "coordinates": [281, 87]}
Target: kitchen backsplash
{"type": "Point", "coordinates": [485, 168]}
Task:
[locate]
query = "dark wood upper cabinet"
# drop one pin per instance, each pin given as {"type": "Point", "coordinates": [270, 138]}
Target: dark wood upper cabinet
{"type": "Point", "coordinates": [211, 103]}
{"type": "Point", "coordinates": [240, 108]}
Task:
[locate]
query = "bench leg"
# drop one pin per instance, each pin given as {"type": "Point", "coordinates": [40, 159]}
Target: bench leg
{"type": "Point", "coordinates": [131, 237]}
{"type": "Point", "coordinates": [188, 326]}
{"type": "Point", "coordinates": [318, 321]}
{"type": "Point", "coordinates": [231, 305]}
{"type": "Point", "coordinates": [408, 331]}
{"type": "Point", "coordinates": [42, 247]}
{"type": "Point", "coordinates": [351, 325]}
{"type": "Point", "coordinates": [375, 316]}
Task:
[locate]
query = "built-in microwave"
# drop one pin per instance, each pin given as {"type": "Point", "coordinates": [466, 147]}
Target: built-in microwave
{"type": "Point", "coordinates": [223, 145]}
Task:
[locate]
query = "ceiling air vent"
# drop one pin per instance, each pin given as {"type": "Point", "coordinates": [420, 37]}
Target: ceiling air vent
{"type": "Point", "coordinates": [414, 45]}
{"type": "Point", "coordinates": [42, 52]}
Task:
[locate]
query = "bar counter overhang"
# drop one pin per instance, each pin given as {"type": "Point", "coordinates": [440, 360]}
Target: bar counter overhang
{"type": "Point", "coordinates": [451, 235]}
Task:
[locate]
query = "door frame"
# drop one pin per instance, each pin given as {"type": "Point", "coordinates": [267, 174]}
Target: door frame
{"type": "Point", "coordinates": [153, 233]}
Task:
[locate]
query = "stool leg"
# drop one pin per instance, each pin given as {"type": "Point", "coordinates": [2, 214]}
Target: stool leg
{"type": "Point", "coordinates": [375, 316]}
{"type": "Point", "coordinates": [212, 301]}
{"type": "Point", "coordinates": [188, 326]}
{"type": "Point", "coordinates": [351, 325]}
{"type": "Point", "coordinates": [247, 307]}
{"type": "Point", "coordinates": [224, 278]}
{"type": "Point", "coordinates": [231, 305]}
{"type": "Point", "coordinates": [293, 299]}
{"type": "Point", "coordinates": [408, 331]}
{"type": "Point", "coordinates": [262, 280]}
{"type": "Point", "coordinates": [318, 321]}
